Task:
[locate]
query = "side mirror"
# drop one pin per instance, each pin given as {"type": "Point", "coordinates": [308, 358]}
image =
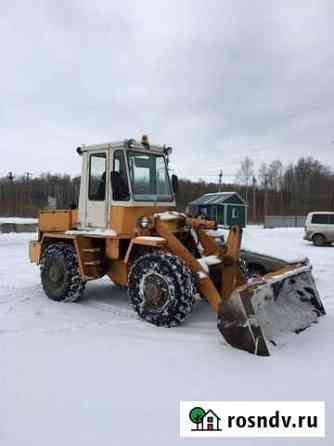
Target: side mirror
{"type": "Point", "coordinates": [175, 183]}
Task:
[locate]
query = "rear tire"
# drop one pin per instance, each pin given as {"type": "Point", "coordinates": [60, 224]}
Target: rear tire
{"type": "Point", "coordinates": [319, 240]}
{"type": "Point", "coordinates": [60, 276]}
{"type": "Point", "coordinates": [161, 289]}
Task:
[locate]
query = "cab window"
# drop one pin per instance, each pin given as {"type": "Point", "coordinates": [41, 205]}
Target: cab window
{"type": "Point", "coordinates": [119, 178]}
{"type": "Point", "coordinates": [149, 177]}
{"type": "Point", "coordinates": [97, 177]}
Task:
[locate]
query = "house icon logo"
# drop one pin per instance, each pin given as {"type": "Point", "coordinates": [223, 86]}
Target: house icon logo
{"type": "Point", "coordinates": [204, 420]}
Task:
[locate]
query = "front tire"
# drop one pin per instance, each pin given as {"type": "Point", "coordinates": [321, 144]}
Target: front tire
{"type": "Point", "coordinates": [161, 289]}
{"type": "Point", "coordinates": [319, 240]}
{"type": "Point", "coordinates": [60, 276]}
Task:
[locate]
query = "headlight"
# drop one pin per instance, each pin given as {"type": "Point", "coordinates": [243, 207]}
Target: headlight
{"type": "Point", "coordinates": [144, 222]}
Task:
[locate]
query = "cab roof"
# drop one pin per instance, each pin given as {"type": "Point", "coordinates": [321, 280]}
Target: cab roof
{"type": "Point", "coordinates": [127, 144]}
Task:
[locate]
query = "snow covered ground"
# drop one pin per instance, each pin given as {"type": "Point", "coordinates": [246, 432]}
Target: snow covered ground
{"type": "Point", "coordinates": [92, 373]}
{"type": "Point", "coordinates": [18, 220]}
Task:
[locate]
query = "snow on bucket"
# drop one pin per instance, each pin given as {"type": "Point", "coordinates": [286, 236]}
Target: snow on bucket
{"type": "Point", "coordinates": [267, 309]}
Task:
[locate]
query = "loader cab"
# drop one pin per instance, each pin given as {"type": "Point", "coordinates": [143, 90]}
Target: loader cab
{"type": "Point", "coordinates": [118, 177]}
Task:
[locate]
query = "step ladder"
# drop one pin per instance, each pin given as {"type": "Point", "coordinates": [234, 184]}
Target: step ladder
{"type": "Point", "coordinates": [92, 257]}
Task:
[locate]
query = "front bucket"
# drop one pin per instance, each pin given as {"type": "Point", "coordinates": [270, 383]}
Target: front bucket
{"type": "Point", "coordinates": [264, 310]}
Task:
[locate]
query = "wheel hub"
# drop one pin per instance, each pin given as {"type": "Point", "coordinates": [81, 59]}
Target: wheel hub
{"type": "Point", "coordinates": [55, 274]}
{"type": "Point", "coordinates": [155, 291]}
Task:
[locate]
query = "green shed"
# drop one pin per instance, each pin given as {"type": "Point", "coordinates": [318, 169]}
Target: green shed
{"type": "Point", "coordinates": [227, 208]}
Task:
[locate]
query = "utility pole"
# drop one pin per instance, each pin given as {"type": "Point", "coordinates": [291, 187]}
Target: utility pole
{"type": "Point", "coordinates": [265, 207]}
{"type": "Point", "coordinates": [27, 176]}
{"type": "Point", "coordinates": [27, 194]}
{"type": "Point", "coordinates": [254, 200]}
{"type": "Point", "coordinates": [220, 179]}
{"type": "Point", "coordinates": [11, 177]}
{"type": "Point", "coordinates": [247, 191]}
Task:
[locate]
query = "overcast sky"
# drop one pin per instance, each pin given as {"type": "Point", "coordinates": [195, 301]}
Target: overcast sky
{"type": "Point", "coordinates": [218, 80]}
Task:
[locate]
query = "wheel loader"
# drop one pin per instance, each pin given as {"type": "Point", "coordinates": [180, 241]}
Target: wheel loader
{"type": "Point", "coordinates": [126, 227]}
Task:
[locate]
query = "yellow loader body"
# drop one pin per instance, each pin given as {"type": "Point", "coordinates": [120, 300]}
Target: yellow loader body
{"type": "Point", "coordinates": [252, 315]}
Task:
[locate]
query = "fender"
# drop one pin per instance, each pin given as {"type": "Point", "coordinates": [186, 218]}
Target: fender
{"type": "Point", "coordinates": [149, 241]}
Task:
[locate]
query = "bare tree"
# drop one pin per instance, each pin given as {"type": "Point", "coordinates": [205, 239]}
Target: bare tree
{"type": "Point", "coordinates": [246, 173]}
{"type": "Point", "coordinates": [263, 174]}
{"type": "Point", "coordinates": [275, 175]}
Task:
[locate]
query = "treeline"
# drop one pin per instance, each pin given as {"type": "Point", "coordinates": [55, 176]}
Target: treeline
{"type": "Point", "coordinates": [24, 196]}
{"type": "Point", "coordinates": [274, 189]}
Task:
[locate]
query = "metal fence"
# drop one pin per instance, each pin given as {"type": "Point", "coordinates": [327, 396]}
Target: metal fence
{"type": "Point", "coordinates": [284, 221]}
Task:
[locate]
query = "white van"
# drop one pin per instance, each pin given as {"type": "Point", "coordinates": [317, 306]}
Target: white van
{"type": "Point", "coordinates": [319, 228]}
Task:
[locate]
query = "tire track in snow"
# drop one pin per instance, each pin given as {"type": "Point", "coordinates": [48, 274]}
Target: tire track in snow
{"type": "Point", "coordinates": [13, 293]}
{"type": "Point", "coordinates": [128, 313]}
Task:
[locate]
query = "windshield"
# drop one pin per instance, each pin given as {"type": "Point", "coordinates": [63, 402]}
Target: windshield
{"type": "Point", "coordinates": [149, 177]}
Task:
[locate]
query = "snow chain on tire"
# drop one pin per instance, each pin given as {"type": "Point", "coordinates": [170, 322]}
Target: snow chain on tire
{"type": "Point", "coordinates": [71, 286]}
{"type": "Point", "coordinates": [179, 281]}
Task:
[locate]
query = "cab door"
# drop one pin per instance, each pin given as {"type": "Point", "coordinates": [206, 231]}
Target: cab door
{"type": "Point", "coordinates": [97, 199]}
